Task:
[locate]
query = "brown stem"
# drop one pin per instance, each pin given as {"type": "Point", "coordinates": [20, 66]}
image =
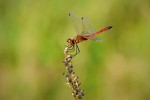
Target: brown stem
{"type": "Point", "coordinates": [71, 77]}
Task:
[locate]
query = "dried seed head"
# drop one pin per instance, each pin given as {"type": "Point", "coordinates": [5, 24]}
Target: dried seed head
{"type": "Point", "coordinates": [68, 56]}
{"type": "Point", "coordinates": [75, 92]}
{"type": "Point", "coordinates": [70, 64]}
{"type": "Point", "coordinates": [75, 78]}
{"type": "Point", "coordinates": [72, 79]}
{"type": "Point", "coordinates": [68, 59]}
{"type": "Point", "coordinates": [80, 94]}
{"type": "Point", "coordinates": [77, 84]}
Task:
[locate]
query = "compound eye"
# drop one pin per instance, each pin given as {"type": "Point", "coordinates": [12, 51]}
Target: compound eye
{"type": "Point", "coordinates": [68, 40]}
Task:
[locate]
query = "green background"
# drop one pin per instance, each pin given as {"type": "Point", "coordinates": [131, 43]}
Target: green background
{"type": "Point", "coordinates": [33, 36]}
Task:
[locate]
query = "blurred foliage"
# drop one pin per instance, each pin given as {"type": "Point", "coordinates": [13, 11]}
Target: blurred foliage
{"type": "Point", "coordinates": [33, 35]}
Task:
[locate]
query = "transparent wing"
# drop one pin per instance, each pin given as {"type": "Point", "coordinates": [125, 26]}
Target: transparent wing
{"type": "Point", "coordinates": [97, 39]}
{"type": "Point", "coordinates": [87, 27]}
{"type": "Point", "coordinates": [76, 22]}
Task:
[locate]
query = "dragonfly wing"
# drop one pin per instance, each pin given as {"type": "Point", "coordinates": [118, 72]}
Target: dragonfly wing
{"type": "Point", "coordinates": [76, 22]}
{"type": "Point", "coordinates": [87, 27]}
{"type": "Point", "coordinates": [97, 39]}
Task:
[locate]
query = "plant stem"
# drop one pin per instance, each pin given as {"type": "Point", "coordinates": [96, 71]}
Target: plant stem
{"type": "Point", "coordinates": [71, 77]}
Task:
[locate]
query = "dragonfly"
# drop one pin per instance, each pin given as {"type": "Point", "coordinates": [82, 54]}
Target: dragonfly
{"type": "Point", "coordinates": [85, 31]}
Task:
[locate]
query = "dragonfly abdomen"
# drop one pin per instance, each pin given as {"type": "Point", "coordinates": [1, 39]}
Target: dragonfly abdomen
{"type": "Point", "coordinates": [104, 29]}
{"type": "Point", "coordinates": [98, 32]}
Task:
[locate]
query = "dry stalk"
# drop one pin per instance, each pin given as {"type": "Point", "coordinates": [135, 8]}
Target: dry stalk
{"type": "Point", "coordinates": [71, 77]}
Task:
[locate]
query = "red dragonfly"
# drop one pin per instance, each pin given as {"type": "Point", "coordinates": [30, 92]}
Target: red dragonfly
{"type": "Point", "coordinates": [85, 31]}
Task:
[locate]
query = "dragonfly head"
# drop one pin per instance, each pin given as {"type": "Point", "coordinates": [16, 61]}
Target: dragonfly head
{"type": "Point", "coordinates": [70, 41]}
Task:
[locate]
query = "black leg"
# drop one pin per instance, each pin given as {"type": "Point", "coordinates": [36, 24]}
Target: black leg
{"type": "Point", "coordinates": [71, 48]}
{"type": "Point", "coordinates": [77, 50]}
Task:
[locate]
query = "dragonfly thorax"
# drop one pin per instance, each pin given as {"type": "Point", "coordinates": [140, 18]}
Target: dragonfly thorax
{"type": "Point", "coordinates": [70, 41]}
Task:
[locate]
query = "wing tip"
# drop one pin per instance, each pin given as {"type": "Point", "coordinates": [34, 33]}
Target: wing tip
{"type": "Point", "coordinates": [109, 27]}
